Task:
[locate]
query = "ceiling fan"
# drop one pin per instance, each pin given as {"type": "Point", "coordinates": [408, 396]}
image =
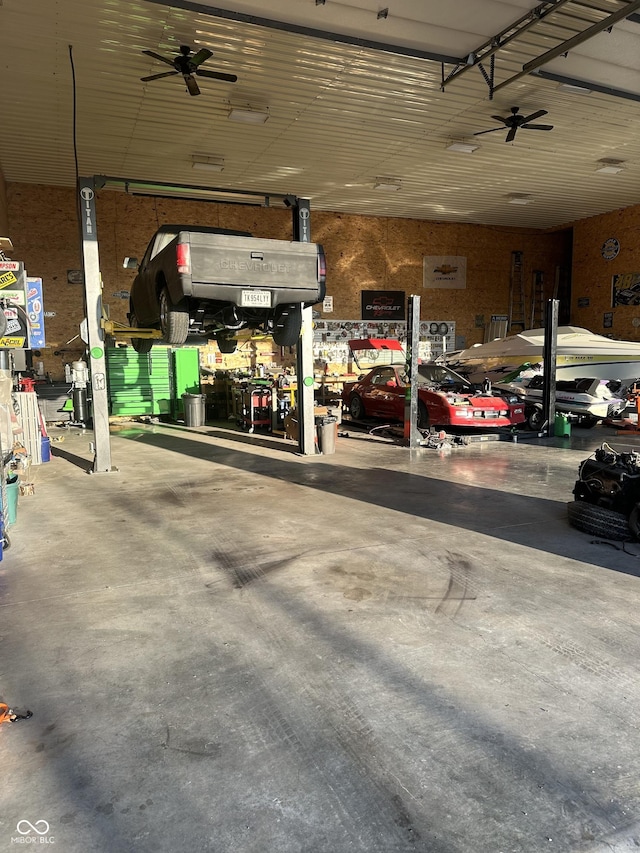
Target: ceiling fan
{"type": "Point", "coordinates": [188, 64]}
{"type": "Point", "coordinates": [515, 121]}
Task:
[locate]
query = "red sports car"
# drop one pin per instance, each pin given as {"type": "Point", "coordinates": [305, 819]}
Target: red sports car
{"type": "Point", "coordinates": [444, 399]}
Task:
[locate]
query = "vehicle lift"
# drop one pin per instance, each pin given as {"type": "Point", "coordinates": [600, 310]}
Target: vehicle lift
{"type": "Point", "coordinates": [98, 327]}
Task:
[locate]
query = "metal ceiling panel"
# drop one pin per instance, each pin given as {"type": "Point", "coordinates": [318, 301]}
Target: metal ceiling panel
{"type": "Point", "coordinates": [340, 115]}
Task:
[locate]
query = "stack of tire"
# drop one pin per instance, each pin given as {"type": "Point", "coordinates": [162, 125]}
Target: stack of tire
{"type": "Point", "coordinates": [599, 521]}
{"type": "Point", "coordinates": [607, 495]}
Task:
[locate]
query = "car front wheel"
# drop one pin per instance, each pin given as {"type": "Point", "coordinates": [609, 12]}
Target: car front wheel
{"type": "Point", "coordinates": [174, 319]}
{"type": "Point", "coordinates": [535, 418]}
{"type": "Point", "coordinates": [356, 408]}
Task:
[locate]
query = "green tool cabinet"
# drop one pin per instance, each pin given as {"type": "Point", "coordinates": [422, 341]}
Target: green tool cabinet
{"type": "Point", "coordinates": [151, 383]}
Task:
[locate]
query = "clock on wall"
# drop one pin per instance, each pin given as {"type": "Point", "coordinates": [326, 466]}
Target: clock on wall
{"type": "Point", "coordinates": [610, 249]}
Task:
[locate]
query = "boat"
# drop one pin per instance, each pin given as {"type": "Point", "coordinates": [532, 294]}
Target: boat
{"type": "Point", "coordinates": [588, 399]}
{"type": "Point", "coordinates": [579, 354]}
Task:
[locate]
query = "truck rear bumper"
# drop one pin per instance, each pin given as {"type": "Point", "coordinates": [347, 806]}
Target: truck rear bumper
{"type": "Point", "coordinates": [254, 297]}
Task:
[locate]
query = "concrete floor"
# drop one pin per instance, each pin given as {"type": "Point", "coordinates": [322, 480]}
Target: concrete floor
{"type": "Point", "coordinates": [229, 647]}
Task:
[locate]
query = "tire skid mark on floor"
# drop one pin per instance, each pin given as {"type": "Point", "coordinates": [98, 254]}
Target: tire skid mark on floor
{"type": "Point", "coordinates": [600, 666]}
{"type": "Point", "coordinates": [355, 736]}
{"type": "Point", "coordinates": [349, 774]}
{"type": "Point", "coordinates": [277, 722]}
{"type": "Point", "coordinates": [352, 732]}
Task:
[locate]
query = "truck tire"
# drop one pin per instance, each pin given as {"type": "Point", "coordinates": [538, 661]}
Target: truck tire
{"type": "Point", "coordinates": [599, 521]}
{"type": "Point", "coordinates": [287, 325]}
{"type": "Point", "coordinates": [141, 345]}
{"type": "Point", "coordinates": [174, 319]}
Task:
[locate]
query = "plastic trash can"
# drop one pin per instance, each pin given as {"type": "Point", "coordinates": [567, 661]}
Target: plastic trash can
{"type": "Point", "coordinates": [12, 489]}
{"type": "Point", "coordinates": [327, 429]}
{"type": "Point", "coordinates": [562, 427]}
{"type": "Point", "coordinates": [194, 409]}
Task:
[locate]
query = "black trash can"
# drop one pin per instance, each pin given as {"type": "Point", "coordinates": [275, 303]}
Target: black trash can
{"type": "Point", "coordinates": [327, 429]}
{"type": "Point", "coordinates": [194, 409]}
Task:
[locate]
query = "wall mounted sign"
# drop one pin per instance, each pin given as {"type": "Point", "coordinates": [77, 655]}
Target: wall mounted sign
{"type": "Point", "coordinates": [35, 311]}
{"type": "Point", "coordinates": [331, 337]}
{"type": "Point", "coordinates": [607, 320]}
{"type": "Point", "coordinates": [583, 302]}
{"type": "Point", "coordinates": [13, 291]}
{"type": "Point", "coordinates": [383, 304]}
{"type": "Point", "coordinates": [75, 277]}
{"type": "Point", "coordinates": [610, 249]}
{"type": "Point", "coordinates": [625, 289]}
{"type": "Point", "coordinates": [445, 271]}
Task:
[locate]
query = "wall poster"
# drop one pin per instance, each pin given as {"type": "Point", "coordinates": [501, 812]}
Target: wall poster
{"type": "Point", "coordinates": [625, 289]}
{"type": "Point", "coordinates": [383, 304]}
{"type": "Point", "coordinates": [444, 271]}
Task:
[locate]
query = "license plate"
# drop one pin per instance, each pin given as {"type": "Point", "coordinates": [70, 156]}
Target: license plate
{"type": "Point", "coordinates": [255, 299]}
{"type": "Point", "coordinates": [489, 413]}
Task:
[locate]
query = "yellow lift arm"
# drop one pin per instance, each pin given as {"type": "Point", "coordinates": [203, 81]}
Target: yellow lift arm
{"type": "Point", "coordinates": [119, 330]}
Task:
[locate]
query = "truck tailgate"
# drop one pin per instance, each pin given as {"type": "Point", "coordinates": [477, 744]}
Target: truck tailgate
{"type": "Point", "coordinates": [252, 262]}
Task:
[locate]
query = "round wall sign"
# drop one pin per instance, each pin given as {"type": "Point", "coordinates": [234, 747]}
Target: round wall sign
{"type": "Point", "coordinates": [610, 249]}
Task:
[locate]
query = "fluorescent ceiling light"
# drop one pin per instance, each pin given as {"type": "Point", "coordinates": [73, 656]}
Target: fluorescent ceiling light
{"type": "Point", "coordinates": [206, 163]}
{"type": "Point", "coordinates": [248, 115]}
{"type": "Point", "coordinates": [574, 89]}
{"type": "Point", "coordinates": [607, 166]}
{"type": "Point", "coordinates": [462, 147]}
{"type": "Point", "coordinates": [519, 198]}
{"type": "Point", "coordinates": [387, 184]}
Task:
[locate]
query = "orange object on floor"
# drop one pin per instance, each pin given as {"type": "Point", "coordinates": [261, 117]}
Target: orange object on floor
{"type": "Point", "coordinates": [9, 716]}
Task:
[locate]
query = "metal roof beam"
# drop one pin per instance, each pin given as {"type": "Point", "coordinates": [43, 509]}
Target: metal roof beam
{"type": "Point", "coordinates": [566, 46]}
{"type": "Point", "coordinates": [587, 84]}
{"type": "Point", "coordinates": [495, 43]}
{"type": "Point", "coordinates": [284, 26]}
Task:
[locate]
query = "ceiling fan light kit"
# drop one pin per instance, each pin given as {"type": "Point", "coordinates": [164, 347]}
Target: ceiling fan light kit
{"type": "Point", "coordinates": [608, 166]}
{"type": "Point", "coordinates": [515, 122]}
{"type": "Point", "coordinates": [188, 64]}
{"type": "Point", "coordinates": [247, 114]}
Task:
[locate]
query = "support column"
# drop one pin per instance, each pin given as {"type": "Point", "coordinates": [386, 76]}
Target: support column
{"type": "Point", "coordinates": [411, 434]}
{"type": "Point", "coordinates": [304, 349]}
{"type": "Point", "coordinates": [93, 307]}
{"type": "Point", "coordinates": [549, 358]}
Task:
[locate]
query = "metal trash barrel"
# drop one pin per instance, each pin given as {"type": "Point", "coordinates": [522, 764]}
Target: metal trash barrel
{"type": "Point", "coordinates": [194, 409]}
{"type": "Point", "coordinates": [327, 429]}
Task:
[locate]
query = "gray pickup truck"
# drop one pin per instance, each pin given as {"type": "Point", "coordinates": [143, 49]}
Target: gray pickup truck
{"type": "Point", "coordinates": [198, 282]}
